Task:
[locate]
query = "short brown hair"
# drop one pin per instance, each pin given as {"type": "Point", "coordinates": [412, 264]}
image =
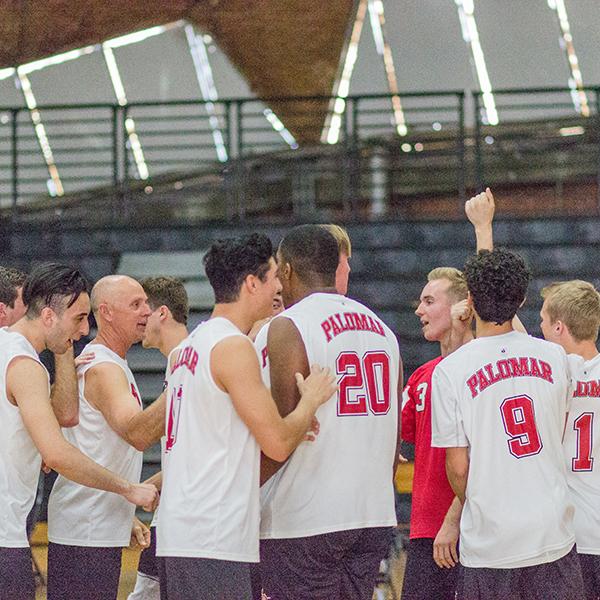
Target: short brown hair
{"type": "Point", "coordinates": [577, 304]}
{"type": "Point", "coordinates": [10, 281]}
{"type": "Point", "coordinates": [341, 237]}
{"type": "Point", "coordinates": [169, 292]}
{"type": "Point", "coordinates": [458, 284]}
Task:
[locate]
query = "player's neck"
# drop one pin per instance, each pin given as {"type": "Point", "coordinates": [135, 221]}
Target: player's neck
{"type": "Point", "coordinates": [450, 343]}
{"type": "Point", "coordinates": [31, 330]}
{"type": "Point", "coordinates": [488, 328]}
{"type": "Point", "coordinates": [113, 341]}
{"type": "Point", "coordinates": [236, 313]}
{"type": "Point", "coordinates": [586, 349]}
{"type": "Point", "coordinates": [171, 337]}
{"type": "Point", "coordinates": [305, 291]}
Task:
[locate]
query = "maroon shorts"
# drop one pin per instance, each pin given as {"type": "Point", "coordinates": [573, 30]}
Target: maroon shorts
{"type": "Point", "coordinates": [342, 565]}
{"type": "Point", "coordinates": [557, 580]}
{"type": "Point", "coordinates": [16, 574]}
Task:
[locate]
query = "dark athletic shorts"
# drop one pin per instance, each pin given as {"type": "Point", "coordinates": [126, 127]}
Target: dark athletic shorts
{"type": "Point", "coordinates": [205, 579]}
{"type": "Point", "coordinates": [423, 579]}
{"type": "Point", "coordinates": [78, 572]}
{"type": "Point", "coordinates": [557, 580]}
{"type": "Point", "coordinates": [342, 565]}
{"type": "Point", "coordinates": [16, 574]}
{"type": "Point", "coordinates": [590, 569]}
{"type": "Point", "coordinates": [148, 564]}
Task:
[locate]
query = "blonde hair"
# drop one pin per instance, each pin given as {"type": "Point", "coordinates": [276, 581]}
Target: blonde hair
{"type": "Point", "coordinates": [458, 284]}
{"type": "Point", "coordinates": [341, 237]}
{"type": "Point", "coordinates": [577, 304]}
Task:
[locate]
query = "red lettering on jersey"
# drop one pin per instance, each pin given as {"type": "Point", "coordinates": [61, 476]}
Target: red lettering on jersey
{"type": "Point", "coordinates": [264, 353]}
{"type": "Point", "coordinates": [586, 389]}
{"type": "Point", "coordinates": [188, 357]}
{"type": "Point", "coordinates": [135, 394]}
{"type": "Point", "coordinates": [336, 324]}
{"type": "Point", "coordinates": [508, 368]}
{"type": "Point", "coordinates": [594, 389]}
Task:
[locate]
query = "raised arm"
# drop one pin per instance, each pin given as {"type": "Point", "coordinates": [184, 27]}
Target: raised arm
{"type": "Point", "coordinates": [27, 387]}
{"type": "Point", "coordinates": [107, 388]}
{"type": "Point", "coordinates": [276, 436]}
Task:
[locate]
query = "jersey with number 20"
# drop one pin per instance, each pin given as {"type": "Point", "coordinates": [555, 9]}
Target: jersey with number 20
{"type": "Point", "coordinates": [344, 479]}
{"type": "Point", "coordinates": [505, 397]}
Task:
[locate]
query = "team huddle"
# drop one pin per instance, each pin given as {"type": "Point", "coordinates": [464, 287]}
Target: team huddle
{"type": "Point", "coordinates": [280, 432]}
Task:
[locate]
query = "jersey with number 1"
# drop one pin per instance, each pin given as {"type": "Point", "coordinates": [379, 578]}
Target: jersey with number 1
{"type": "Point", "coordinates": [505, 397]}
{"type": "Point", "coordinates": [582, 452]}
{"type": "Point", "coordinates": [344, 479]}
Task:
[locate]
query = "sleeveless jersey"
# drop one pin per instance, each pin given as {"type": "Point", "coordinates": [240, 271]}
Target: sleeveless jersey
{"type": "Point", "coordinates": [209, 503]}
{"type": "Point", "coordinates": [582, 452]}
{"type": "Point", "coordinates": [163, 439]}
{"type": "Point", "coordinates": [431, 491]}
{"type": "Point", "coordinates": [20, 460]}
{"type": "Point", "coordinates": [83, 516]}
{"type": "Point", "coordinates": [344, 479]}
{"type": "Point", "coordinates": [505, 397]}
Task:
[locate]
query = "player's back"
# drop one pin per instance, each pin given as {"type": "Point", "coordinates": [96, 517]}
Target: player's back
{"type": "Point", "coordinates": [582, 447]}
{"type": "Point", "coordinates": [510, 393]}
{"type": "Point", "coordinates": [343, 480]}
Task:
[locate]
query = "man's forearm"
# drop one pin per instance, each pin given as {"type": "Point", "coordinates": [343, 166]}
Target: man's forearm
{"type": "Point", "coordinates": [454, 512]}
{"type": "Point", "coordinates": [485, 237]}
{"type": "Point", "coordinates": [148, 426]}
{"type": "Point", "coordinates": [65, 395]}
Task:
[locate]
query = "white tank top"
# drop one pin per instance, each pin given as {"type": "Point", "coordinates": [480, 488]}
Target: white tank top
{"type": "Point", "coordinates": [582, 452]}
{"type": "Point", "coordinates": [20, 460]}
{"type": "Point", "coordinates": [209, 502]}
{"type": "Point", "coordinates": [343, 480]}
{"type": "Point", "coordinates": [83, 516]}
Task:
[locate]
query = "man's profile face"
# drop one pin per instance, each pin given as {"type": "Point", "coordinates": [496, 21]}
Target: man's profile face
{"type": "Point", "coordinates": [69, 325]}
{"type": "Point", "coordinates": [130, 310]}
{"type": "Point", "coordinates": [342, 274]}
{"type": "Point", "coordinates": [434, 310]}
{"type": "Point", "coordinates": [151, 337]}
{"type": "Point", "coordinates": [269, 290]}
{"type": "Point", "coordinates": [546, 325]}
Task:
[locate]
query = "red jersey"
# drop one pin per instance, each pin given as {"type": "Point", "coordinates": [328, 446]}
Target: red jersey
{"type": "Point", "coordinates": [432, 494]}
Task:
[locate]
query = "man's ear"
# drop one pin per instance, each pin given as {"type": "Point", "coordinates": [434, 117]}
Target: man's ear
{"type": "Point", "coordinates": [47, 315]}
{"type": "Point", "coordinates": [469, 299]}
{"type": "Point", "coordinates": [2, 310]}
{"type": "Point", "coordinates": [164, 312]}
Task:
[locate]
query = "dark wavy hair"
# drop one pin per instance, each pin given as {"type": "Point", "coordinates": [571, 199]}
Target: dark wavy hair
{"type": "Point", "coordinates": [497, 282]}
{"type": "Point", "coordinates": [229, 262]}
{"type": "Point", "coordinates": [53, 285]}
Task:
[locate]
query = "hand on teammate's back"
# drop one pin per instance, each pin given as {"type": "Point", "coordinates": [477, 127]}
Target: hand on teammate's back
{"type": "Point", "coordinates": [313, 432]}
{"type": "Point", "coordinates": [318, 387]}
{"type": "Point", "coordinates": [141, 494]}
{"type": "Point", "coordinates": [480, 209]}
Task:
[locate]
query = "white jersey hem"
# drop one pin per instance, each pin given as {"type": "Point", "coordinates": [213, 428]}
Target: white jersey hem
{"type": "Point", "coordinates": [13, 544]}
{"type": "Point", "coordinates": [546, 555]}
{"type": "Point", "coordinates": [90, 543]}
{"type": "Point", "coordinates": [289, 534]}
{"type": "Point", "coordinates": [582, 550]}
{"type": "Point", "coordinates": [250, 558]}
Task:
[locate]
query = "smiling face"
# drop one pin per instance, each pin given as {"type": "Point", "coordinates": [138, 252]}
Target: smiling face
{"type": "Point", "coordinates": [434, 310]}
{"type": "Point", "coordinates": [151, 338]}
{"type": "Point", "coordinates": [68, 325]}
{"type": "Point", "coordinates": [268, 291]}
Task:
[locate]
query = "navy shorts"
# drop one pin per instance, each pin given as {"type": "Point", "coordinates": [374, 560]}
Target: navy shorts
{"type": "Point", "coordinates": [342, 565]}
{"type": "Point", "coordinates": [16, 574]}
{"type": "Point", "coordinates": [77, 572]}
{"type": "Point", "coordinates": [557, 580]}
{"type": "Point", "coordinates": [590, 569]}
{"type": "Point", "coordinates": [205, 579]}
{"type": "Point", "coordinates": [423, 579]}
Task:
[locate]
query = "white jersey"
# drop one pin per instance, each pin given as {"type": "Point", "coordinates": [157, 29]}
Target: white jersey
{"type": "Point", "coordinates": [83, 516]}
{"type": "Point", "coordinates": [582, 452]}
{"type": "Point", "coordinates": [209, 503]}
{"type": "Point", "coordinates": [505, 397]}
{"type": "Point", "coordinates": [344, 479]}
{"type": "Point", "coordinates": [20, 460]}
{"type": "Point", "coordinates": [163, 439]}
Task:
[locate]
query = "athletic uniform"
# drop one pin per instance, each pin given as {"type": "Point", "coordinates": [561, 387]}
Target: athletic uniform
{"type": "Point", "coordinates": [87, 528]}
{"type": "Point", "coordinates": [147, 584]}
{"type": "Point", "coordinates": [431, 494]}
{"type": "Point", "coordinates": [582, 453]}
{"type": "Point", "coordinates": [505, 397]}
{"type": "Point", "coordinates": [209, 512]}
{"type": "Point", "coordinates": [326, 515]}
{"type": "Point", "coordinates": [20, 464]}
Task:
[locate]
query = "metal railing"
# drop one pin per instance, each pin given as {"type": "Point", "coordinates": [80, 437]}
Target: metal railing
{"type": "Point", "coordinates": [234, 158]}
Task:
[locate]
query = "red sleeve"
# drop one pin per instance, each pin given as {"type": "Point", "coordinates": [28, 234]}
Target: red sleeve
{"type": "Point", "coordinates": [408, 413]}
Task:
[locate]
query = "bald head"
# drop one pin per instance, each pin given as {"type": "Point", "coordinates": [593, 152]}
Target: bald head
{"type": "Point", "coordinates": [111, 289]}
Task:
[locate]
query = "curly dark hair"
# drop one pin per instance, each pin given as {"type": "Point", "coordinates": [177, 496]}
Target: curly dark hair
{"type": "Point", "coordinates": [229, 262]}
{"type": "Point", "coordinates": [497, 282]}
